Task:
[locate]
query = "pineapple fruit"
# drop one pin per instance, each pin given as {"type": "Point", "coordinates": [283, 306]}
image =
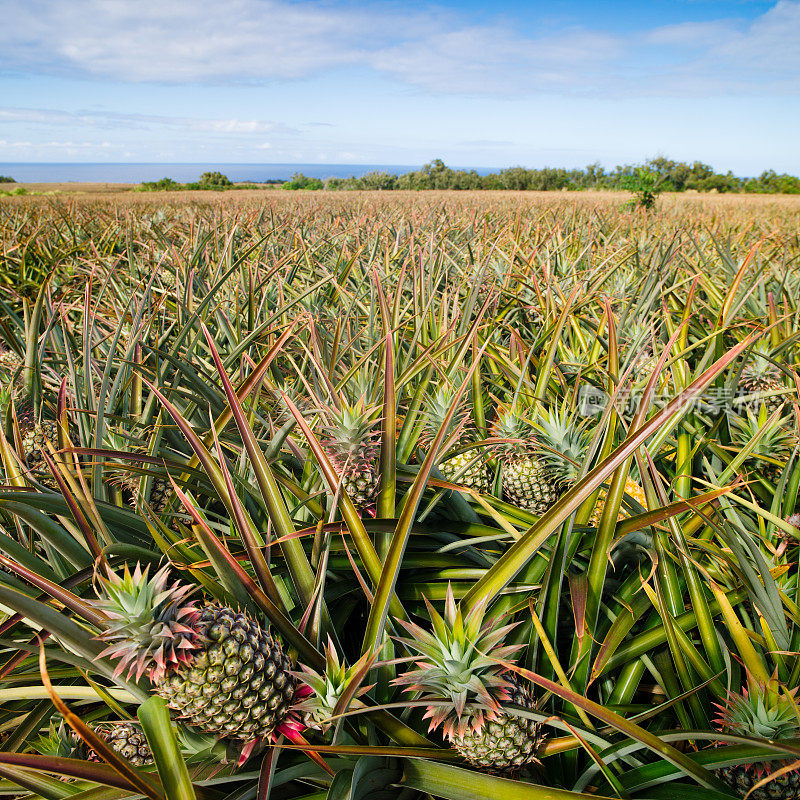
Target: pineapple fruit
{"type": "Point", "coordinates": [759, 376]}
{"type": "Point", "coordinates": [632, 490]}
{"type": "Point", "coordinates": [161, 492]}
{"type": "Point", "coordinates": [761, 712]}
{"type": "Point", "coordinates": [467, 468]}
{"type": "Point", "coordinates": [217, 668]}
{"type": "Point", "coordinates": [10, 365]}
{"type": "Point", "coordinates": [126, 738]}
{"type": "Point", "coordinates": [351, 442]}
{"type": "Point", "coordinates": [546, 463]}
{"type": "Point", "coordinates": [458, 674]}
{"type": "Point", "coordinates": [526, 480]}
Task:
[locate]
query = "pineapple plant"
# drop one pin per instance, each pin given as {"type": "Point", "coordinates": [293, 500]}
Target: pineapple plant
{"type": "Point", "coordinates": [351, 442]}
{"type": "Point", "coordinates": [320, 692]}
{"type": "Point", "coordinates": [761, 712]}
{"type": "Point", "coordinates": [126, 738]}
{"type": "Point", "coordinates": [772, 450]}
{"type": "Point", "coordinates": [527, 482]}
{"type": "Point", "coordinates": [457, 673]}
{"type": "Point", "coordinates": [216, 667]}
{"type": "Point", "coordinates": [467, 468]}
{"type": "Point", "coordinates": [759, 376]}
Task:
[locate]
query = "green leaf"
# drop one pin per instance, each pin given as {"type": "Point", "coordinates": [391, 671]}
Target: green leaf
{"type": "Point", "coordinates": [160, 733]}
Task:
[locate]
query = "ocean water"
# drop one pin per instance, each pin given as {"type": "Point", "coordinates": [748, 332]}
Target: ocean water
{"type": "Point", "coordinates": [136, 173]}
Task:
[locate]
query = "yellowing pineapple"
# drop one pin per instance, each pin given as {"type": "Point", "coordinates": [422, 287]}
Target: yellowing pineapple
{"type": "Point", "coordinates": [632, 490]}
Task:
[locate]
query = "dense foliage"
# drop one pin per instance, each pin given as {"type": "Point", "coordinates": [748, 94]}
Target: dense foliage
{"type": "Point", "coordinates": [479, 497]}
{"type": "Point", "coordinates": [673, 176]}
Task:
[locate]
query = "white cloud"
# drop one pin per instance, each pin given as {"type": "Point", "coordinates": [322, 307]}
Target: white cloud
{"type": "Point", "coordinates": [246, 41]}
{"type": "Point", "coordinates": [258, 41]}
{"type": "Point", "coordinates": [107, 119]}
{"type": "Point", "coordinates": [733, 56]}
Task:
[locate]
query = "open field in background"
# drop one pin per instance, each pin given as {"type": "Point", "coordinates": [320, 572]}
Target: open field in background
{"type": "Point", "coordinates": [386, 426]}
{"type": "Point", "coordinates": [113, 191]}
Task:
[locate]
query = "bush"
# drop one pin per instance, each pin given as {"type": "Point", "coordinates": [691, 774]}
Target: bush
{"type": "Point", "coordinates": [214, 180]}
{"type": "Point", "coordinates": [300, 181]}
{"type": "Point", "coordinates": [6, 179]}
{"type": "Point", "coordinates": [163, 185]}
{"type": "Point", "coordinates": [645, 185]}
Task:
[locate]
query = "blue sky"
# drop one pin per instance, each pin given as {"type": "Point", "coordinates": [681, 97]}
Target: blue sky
{"type": "Point", "coordinates": [532, 83]}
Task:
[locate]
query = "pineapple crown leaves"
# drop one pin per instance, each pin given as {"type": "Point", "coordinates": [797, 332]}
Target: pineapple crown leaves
{"type": "Point", "coordinates": [561, 444]}
{"type": "Point", "coordinates": [323, 691]}
{"type": "Point", "coordinates": [516, 432]}
{"type": "Point", "coordinates": [761, 711]}
{"type": "Point", "coordinates": [150, 623]}
{"type": "Point", "coordinates": [436, 409]}
{"type": "Point", "coordinates": [777, 437]}
{"type": "Point", "coordinates": [457, 667]}
{"type": "Point", "coordinates": [351, 432]}
{"type": "Point", "coordinates": [61, 742]}
{"type": "Point", "coordinates": [760, 363]}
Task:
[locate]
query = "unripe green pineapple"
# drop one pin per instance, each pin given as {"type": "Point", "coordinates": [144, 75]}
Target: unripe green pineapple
{"type": "Point", "coordinates": [527, 481]}
{"type": "Point", "coordinates": [351, 444]}
{"type": "Point", "coordinates": [467, 468]}
{"type": "Point", "coordinates": [217, 668]}
{"type": "Point", "coordinates": [527, 484]}
{"type": "Point", "coordinates": [35, 436]}
{"type": "Point", "coordinates": [762, 712]}
{"type": "Point", "coordinates": [125, 738]}
{"type": "Point", "coordinates": [161, 492]}
{"type": "Point", "coordinates": [507, 742]}
{"type": "Point", "coordinates": [128, 739]}
{"type": "Point", "coordinates": [457, 672]}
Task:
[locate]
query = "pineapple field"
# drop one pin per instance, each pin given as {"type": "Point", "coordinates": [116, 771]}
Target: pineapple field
{"type": "Point", "coordinates": [384, 497]}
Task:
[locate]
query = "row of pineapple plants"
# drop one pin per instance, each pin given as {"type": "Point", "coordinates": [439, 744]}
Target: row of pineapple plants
{"type": "Point", "coordinates": [394, 531]}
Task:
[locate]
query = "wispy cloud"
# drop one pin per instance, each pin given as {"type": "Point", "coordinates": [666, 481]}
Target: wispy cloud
{"type": "Point", "coordinates": [434, 49]}
{"type": "Point", "coordinates": [734, 56]}
{"type": "Point", "coordinates": [108, 119]}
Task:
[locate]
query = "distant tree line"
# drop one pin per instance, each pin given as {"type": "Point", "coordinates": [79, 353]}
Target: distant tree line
{"type": "Point", "coordinates": [6, 179]}
{"type": "Point", "coordinates": [669, 176]}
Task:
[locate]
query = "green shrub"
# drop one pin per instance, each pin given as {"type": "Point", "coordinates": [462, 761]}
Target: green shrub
{"type": "Point", "coordinates": [214, 180]}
